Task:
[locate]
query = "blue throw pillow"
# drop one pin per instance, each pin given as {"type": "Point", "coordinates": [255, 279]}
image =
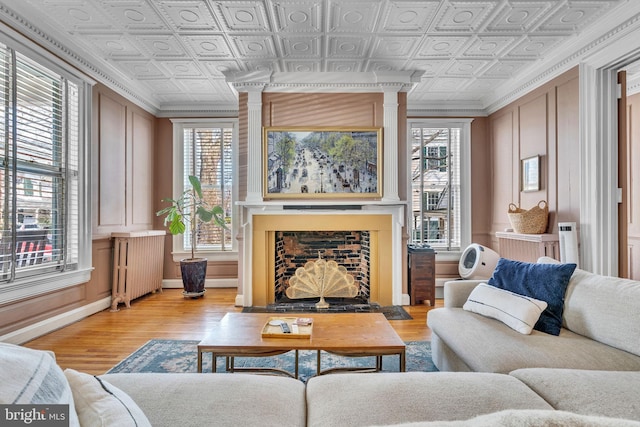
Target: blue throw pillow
{"type": "Point", "coordinates": [546, 282]}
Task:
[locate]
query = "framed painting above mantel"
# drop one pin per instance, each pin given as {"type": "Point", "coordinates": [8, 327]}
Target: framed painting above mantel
{"type": "Point", "coordinates": [322, 163]}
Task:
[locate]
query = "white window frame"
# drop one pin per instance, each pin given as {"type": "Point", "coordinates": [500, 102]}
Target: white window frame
{"type": "Point", "coordinates": [465, 179]}
{"type": "Point", "coordinates": [178, 250]}
{"type": "Point", "coordinates": [29, 287]}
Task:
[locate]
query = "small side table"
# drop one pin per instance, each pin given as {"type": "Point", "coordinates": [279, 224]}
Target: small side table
{"type": "Point", "coordinates": [422, 274]}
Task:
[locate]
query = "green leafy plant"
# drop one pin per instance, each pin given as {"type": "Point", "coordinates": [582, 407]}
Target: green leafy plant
{"type": "Point", "coordinates": [192, 207]}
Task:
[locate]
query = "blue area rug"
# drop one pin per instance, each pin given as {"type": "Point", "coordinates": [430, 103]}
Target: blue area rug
{"type": "Point", "coordinates": [182, 356]}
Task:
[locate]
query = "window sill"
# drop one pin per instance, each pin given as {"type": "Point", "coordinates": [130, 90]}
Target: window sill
{"type": "Point", "coordinates": [38, 285]}
{"type": "Point", "coordinates": [448, 255]}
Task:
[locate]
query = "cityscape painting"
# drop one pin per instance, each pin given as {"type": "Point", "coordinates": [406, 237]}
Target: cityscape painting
{"type": "Point", "coordinates": [322, 162]}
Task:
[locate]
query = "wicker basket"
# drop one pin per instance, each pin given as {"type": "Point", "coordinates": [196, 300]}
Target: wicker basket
{"type": "Point", "coordinates": [532, 221]}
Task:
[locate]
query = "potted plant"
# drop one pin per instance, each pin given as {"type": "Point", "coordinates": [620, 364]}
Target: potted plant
{"type": "Point", "coordinates": [191, 209]}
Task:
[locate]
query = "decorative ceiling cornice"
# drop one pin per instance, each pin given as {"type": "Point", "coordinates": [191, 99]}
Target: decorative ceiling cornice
{"type": "Point", "coordinates": [190, 112]}
{"type": "Point", "coordinates": [20, 24]}
{"type": "Point", "coordinates": [572, 58]}
{"type": "Point", "coordinates": [148, 52]}
{"type": "Point", "coordinates": [330, 82]}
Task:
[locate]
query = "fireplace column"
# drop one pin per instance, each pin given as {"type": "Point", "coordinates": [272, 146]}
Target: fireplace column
{"type": "Point", "coordinates": [390, 182]}
{"type": "Point", "coordinates": [254, 150]}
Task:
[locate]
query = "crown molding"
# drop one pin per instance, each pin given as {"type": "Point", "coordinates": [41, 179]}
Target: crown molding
{"type": "Point", "coordinates": [450, 109]}
{"type": "Point", "coordinates": [76, 57]}
{"type": "Point", "coordinates": [633, 85]}
{"type": "Point", "coordinates": [187, 111]}
{"type": "Point", "coordinates": [626, 20]}
{"type": "Point", "coordinates": [331, 82]}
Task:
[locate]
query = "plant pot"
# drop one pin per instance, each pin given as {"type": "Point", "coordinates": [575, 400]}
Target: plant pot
{"type": "Point", "coordinates": [194, 272]}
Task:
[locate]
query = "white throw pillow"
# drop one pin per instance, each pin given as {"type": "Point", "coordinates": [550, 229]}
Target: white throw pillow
{"type": "Point", "coordinates": [32, 377]}
{"type": "Point", "coordinates": [99, 403]}
{"type": "Point", "coordinates": [519, 312]}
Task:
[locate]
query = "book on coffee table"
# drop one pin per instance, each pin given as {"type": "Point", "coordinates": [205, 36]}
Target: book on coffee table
{"type": "Point", "coordinates": [288, 327]}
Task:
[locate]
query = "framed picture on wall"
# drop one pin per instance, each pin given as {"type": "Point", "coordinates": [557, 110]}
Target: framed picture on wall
{"type": "Point", "coordinates": [530, 169]}
{"type": "Point", "coordinates": [325, 163]}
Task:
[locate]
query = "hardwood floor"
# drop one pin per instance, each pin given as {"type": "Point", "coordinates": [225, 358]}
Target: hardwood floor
{"type": "Point", "coordinates": [99, 342]}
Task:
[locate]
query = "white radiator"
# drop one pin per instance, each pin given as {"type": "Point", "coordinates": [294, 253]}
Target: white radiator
{"type": "Point", "coordinates": [138, 259]}
{"type": "Point", "coordinates": [528, 247]}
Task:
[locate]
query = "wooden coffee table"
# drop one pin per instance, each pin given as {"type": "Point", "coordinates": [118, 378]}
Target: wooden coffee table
{"type": "Point", "coordinates": [345, 334]}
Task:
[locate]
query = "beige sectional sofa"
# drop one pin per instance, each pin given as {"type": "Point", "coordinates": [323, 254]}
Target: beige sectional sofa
{"type": "Point", "coordinates": [601, 331]}
{"type": "Point", "coordinates": [589, 375]}
{"type": "Point", "coordinates": [352, 399]}
{"type": "Point", "coordinates": [348, 399]}
{"type": "Point", "coordinates": [591, 367]}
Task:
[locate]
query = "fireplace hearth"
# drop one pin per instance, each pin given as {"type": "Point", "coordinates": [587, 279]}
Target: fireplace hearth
{"type": "Point", "coordinates": [393, 312]}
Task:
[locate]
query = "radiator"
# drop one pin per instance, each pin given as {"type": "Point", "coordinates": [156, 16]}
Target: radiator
{"type": "Point", "coordinates": [528, 247]}
{"type": "Point", "coordinates": [138, 259]}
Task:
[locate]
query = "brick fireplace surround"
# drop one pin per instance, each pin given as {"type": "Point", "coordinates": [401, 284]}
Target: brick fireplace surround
{"type": "Point", "coordinates": [348, 248]}
{"type": "Point", "coordinates": [384, 222]}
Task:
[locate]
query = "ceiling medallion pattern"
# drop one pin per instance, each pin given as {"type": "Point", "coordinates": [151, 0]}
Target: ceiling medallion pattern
{"type": "Point", "coordinates": [177, 52]}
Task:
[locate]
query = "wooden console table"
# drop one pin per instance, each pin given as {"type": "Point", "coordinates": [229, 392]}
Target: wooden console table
{"type": "Point", "coordinates": [422, 275]}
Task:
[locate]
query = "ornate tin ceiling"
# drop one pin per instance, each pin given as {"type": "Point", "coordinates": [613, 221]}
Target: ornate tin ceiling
{"type": "Point", "coordinates": [172, 55]}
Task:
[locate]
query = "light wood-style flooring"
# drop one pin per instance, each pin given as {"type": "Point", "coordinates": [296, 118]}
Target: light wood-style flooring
{"type": "Point", "coordinates": [99, 342]}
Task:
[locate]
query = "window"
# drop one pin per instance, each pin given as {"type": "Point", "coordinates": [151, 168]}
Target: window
{"type": "Point", "coordinates": [41, 122]}
{"type": "Point", "coordinates": [436, 157]}
{"type": "Point", "coordinates": [440, 202]}
{"type": "Point", "coordinates": [206, 151]}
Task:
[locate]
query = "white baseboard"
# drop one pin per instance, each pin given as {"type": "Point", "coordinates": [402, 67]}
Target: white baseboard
{"type": "Point", "coordinates": [406, 299]}
{"type": "Point", "coordinates": [239, 300]}
{"type": "Point", "coordinates": [209, 283]}
{"type": "Point", "coordinates": [56, 322]}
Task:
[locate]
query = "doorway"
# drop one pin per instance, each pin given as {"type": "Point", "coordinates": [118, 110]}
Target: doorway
{"type": "Point", "coordinates": [628, 157]}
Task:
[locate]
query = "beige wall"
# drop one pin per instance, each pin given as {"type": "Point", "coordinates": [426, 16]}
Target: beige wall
{"type": "Point", "coordinates": [122, 152]}
{"type": "Point", "coordinates": [122, 144]}
{"type": "Point", "coordinates": [545, 123]}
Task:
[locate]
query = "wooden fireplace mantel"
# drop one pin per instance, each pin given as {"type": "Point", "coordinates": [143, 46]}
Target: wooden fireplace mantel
{"type": "Point", "coordinates": [384, 222]}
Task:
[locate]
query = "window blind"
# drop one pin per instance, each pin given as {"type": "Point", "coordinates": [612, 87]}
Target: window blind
{"type": "Point", "coordinates": [208, 155]}
{"type": "Point", "coordinates": [39, 177]}
{"type": "Point", "coordinates": [435, 186]}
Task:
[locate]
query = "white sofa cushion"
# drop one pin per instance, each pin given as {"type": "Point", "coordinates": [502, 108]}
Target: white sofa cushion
{"type": "Point", "coordinates": [220, 400]}
{"type": "Point", "coordinates": [604, 309]}
{"type": "Point", "coordinates": [99, 403]}
{"type": "Point", "coordinates": [519, 312]}
{"type": "Point", "coordinates": [483, 345]}
{"type": "Point", "coordinates": [587, 392]}
{"type": "Point", "coordinates": [528, 418]}
{"type": "Point", "coordinates": [32, 377]}
{"type": "Point", "coordinates": [352, 399]}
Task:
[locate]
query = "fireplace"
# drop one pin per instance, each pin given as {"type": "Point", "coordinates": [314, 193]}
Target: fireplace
{"type": "Point", "coordinates": [376, 263]}
{"type": "Point", "coordinates": [350, 249]}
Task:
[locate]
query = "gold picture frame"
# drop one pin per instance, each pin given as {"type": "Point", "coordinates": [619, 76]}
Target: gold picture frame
{"type": "Point", "coordinates": [322, 163]}
{"type": "Point", "coordinates": [530, 174]}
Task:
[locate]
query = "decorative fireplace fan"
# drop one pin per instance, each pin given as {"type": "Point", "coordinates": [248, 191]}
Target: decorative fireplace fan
{"type": "Point", "coordinates": [321, 279]}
